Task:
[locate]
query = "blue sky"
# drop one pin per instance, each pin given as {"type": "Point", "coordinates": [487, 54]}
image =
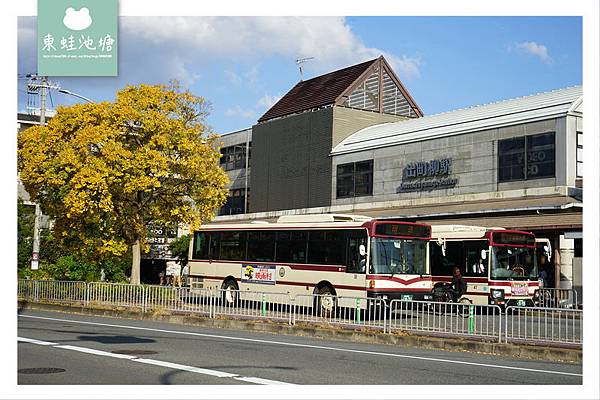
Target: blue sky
{"type": "Point", "coordinates": [242, 65]}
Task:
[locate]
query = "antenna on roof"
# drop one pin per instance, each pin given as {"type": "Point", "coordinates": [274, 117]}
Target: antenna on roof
{"type": "Point", "coordinates": [299, 62]}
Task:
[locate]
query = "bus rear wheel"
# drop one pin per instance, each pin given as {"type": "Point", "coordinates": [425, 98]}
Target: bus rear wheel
{"type": "Point", "coordinates": [230, 292]}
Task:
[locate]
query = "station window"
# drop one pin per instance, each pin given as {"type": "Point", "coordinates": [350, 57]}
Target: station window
{"type": "Point", "coordinates": [355, 179]}
{"type": "Point", "coordinates": [234, 157]}
{"type": "Point", "coordinates": [579, 154]}
{"type": "Point", "coordinates": [235, 202]}
{"type": "Point", "coordinates": [525, 158]}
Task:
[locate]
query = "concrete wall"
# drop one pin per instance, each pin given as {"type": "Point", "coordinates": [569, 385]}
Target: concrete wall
{"type": "Point", "coordinates": [291, 167]}
{"type": "Point", "coordinates": [474, 162]}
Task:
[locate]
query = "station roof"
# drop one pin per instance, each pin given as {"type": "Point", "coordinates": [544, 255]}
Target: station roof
{"type": "Point", "coordinates": [333, 88]}
{"type": "Point", "coordinates": [531, 108]}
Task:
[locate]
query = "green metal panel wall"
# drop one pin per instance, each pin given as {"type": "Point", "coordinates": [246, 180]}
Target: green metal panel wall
{"type": "Point", "coordinates": [291, 167]}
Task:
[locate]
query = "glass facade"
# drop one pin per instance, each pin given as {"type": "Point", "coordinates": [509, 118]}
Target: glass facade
{"type": "Point", "coordinates": [355, 179]}
{"type": "Point", "coordinates": [525, 158]}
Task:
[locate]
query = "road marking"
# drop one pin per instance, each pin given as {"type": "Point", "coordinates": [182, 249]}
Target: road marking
{"type": "Point", "coordinates": [263, 341]}
{"type": "Point", "coordinates": [159, 363]}
{"type": "Point", "coordinates": [259, 381]}
{"type": "Point", "coordinates": [188, 368]}
{"type": "Point", "coordinates": [94, 351]}
{"type": "Point", "coordinates": [34, 341]}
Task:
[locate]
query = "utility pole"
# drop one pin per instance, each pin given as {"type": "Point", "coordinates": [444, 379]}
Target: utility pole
{"type": "Point", "coordinates": [35, 254]}
{"type": "Point", "coordinates": [43, 89]}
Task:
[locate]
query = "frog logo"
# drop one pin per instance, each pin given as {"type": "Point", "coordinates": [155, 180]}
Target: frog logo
{"type": "Point", "coordinates": [77, 20]}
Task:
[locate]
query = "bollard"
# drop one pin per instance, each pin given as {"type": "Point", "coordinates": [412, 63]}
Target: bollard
{"type": "Point", "coordinates": [471, 319]}
{"type": "Point", "coordinates": [264, 305]}
{"type": "Point", "coordinates": [357, 314]}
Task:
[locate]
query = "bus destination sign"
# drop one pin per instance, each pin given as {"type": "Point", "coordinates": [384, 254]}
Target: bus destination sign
{"type": "Point", "coordinates": [391, 229]}
{"type": "Point", "coordinates": [513, 238]}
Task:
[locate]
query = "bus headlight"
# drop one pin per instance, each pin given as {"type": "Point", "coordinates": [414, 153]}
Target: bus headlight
{"type": "Point", "coordinates": [497, 293]}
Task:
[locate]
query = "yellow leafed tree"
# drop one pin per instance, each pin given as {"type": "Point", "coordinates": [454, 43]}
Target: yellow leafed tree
{"type": "Point", "coordinates": [104, 171]}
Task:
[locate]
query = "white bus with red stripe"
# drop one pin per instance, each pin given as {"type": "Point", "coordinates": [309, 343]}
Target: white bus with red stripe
{"type": "Point", "coordinates": [498, 265]}
{"type": "Point", "coordinates": [330, 254]}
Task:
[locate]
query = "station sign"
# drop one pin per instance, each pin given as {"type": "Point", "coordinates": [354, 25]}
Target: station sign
{"type": "Point", "coordinates": [426, 176]}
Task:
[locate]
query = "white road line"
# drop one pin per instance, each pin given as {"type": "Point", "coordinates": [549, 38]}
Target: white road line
{"type": "Point", "coordinates": [94, 351]}
{"type": "Point", "coordinates": [259, 381]}
{"type": "Point", "coordinates": [441, 360]}
{"type": "Point", "coordinates": [159, 363]}
{"type": "Point", "coordinates": [188, 368]}
{"type": "Point", "coordinates": [34, 341]}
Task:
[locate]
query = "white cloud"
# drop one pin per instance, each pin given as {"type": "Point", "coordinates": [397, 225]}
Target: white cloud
{"type": "Point", "coordinates": [267, 101]}
{"type": "Point", "coordinates": [247, 78]}
{"type": "Point", "coordinates": [233, 78]}
{"type": "Point", "coordinates": [239, 112]}
{"type": "Point", "coordinates": [329, 40]}
{"type": "Point", "coordinates": [538, 50]}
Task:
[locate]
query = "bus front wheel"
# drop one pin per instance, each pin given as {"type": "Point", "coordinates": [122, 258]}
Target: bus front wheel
{"type": "Point", "coordinates": [326, 301]}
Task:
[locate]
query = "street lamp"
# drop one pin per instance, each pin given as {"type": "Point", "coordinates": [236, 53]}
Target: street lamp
{"type": "Point", "coordinates": [65, 91]}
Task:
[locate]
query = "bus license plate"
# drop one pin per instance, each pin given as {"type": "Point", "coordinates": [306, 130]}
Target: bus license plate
{"type": "Point", "coordinates": [520, 303]}
{"type": "Point", "coordinates": [406, 297]}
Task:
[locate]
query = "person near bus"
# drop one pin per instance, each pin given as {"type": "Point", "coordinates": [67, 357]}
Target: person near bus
{"type": "Point", "coordinates": [185, 271]}
{"type": "Point", "coordinates": [458, 285]}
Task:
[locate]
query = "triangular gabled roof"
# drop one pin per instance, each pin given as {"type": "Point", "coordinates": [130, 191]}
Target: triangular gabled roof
{"type": "Point", "coordinates": [332, 88]}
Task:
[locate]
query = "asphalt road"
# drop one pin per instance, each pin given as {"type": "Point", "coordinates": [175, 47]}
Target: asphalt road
{"type": "Point", "coordinates": [161, 353]}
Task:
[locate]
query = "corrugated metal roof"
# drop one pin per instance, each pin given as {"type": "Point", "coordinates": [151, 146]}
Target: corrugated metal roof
{"type": "Point", "coordinates": [502, 113]}
{"type": "Point", "coordinates": [316, 92]}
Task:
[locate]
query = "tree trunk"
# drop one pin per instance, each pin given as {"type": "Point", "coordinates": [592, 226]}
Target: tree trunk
{"type": "Point", "coordinates": [135, 263]}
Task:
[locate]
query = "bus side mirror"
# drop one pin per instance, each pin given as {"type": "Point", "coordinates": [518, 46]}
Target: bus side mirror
{"type": "Point", "coordinates": [442, 243]}
{"type": "Point", "coordinates": [362, 250]}
{"type": "Point", "coordinates": [547, 252]}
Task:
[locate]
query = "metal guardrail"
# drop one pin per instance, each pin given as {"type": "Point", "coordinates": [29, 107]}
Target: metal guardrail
{"type": "Point", "coordinates": [517, 324]}
{"type": "Point", "coordinates": [539, 325]}
{"type": "Point", "coordinates": [455, 319]}
{"type": "Point", "coordinates": [341, 311]}
{"type": "Point", "coordinates": [71, 292]}
{"type": "Point", "coordinates": [116, 295]}
{"type": "Point", "coordinates": [255, 305]}
{"type": "Point", "coordinates": [557, 298]}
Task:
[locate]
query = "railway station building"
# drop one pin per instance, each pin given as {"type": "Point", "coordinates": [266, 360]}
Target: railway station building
{"type": "Point", "coordinates": [354, 141]}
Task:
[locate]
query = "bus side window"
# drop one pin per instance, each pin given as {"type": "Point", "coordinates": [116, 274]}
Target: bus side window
{"type": "Point", "coordinates": [327, 247]}
{"type": "Point", "coordinates": [214, 245]}
{"type": "Point", "coordinates": [475, 265]}
{"type": "Point", "coordinates": [261, 246]}
{"type": "Point", "coordinates": [442, 264]}
{"type": "Point", "coordinates": [200, 251]}
{"type": "Point", "coordinates": [291, 246]}
{"type": "Point", "coordinates": [356, 263]}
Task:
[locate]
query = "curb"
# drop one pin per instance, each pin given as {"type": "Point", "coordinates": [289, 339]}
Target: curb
{"type": "Point", "coordinates": [401, 339]}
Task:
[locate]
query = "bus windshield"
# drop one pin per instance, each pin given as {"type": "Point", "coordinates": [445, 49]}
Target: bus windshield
{"type": "Point", "coordinates": [514, 263]}
{"type": "Point", "coordinates": [398, 256]}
